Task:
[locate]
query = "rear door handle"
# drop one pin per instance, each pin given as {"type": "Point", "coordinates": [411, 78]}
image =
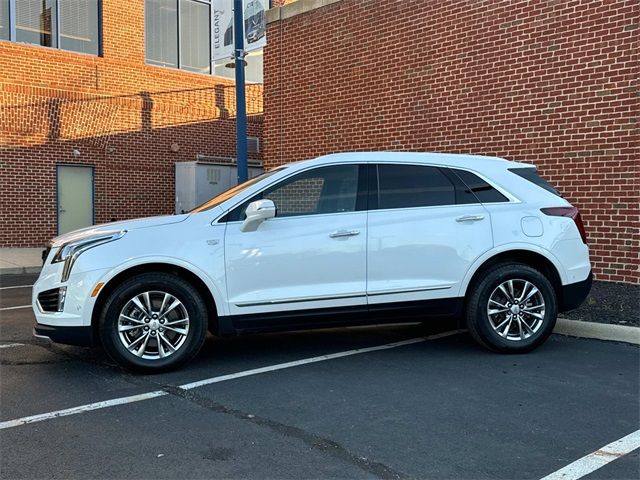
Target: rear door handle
{"type": "Point", "coordinates": [470, 218]}
{"type": "Point", "coordinates": [344, 233]}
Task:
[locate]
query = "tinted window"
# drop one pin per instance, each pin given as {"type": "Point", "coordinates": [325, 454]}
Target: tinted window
{"type": "Point", "coordinates": [161, 32]}
{"type": "Point", "coordinates": [79, 26]}
{"type": "Point", "coordinates": [474, 185]}
{"type": "Point", "coordinates": [5, 33]}
{"type": "Point", "coordinates": [404, 186]}
{"type": "Point", "coordinates": [532, 175]}
{"type": "Point", "coordinates": [35, 22]}
{"type": "Point", "coordinates": [322, 190]}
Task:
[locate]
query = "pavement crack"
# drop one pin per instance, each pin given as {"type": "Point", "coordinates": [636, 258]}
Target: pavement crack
{"type": "Point", "coordinates": [317, 442]}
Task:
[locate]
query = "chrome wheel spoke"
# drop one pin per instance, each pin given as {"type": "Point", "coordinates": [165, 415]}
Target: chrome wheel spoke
{"type": "Point", "coordinates": [497, 303]}
{"type": "Point", "coordinates": [505, 332]}
{"type": "Point", "coordinates": [126, 328]}
{"type": "Point", "coordinates": [167, 342]}
{"type": "Point", "coordinates": [181, 331]}
{"type": "Point", "coordinates": [131, 319]}
{"type": "Point", "coordinates": [140, 351]}
{"type": "Point", "coordinates": [498, 327]}
{"type": "Point", "coordinates": [520, 329]}
{"type": "Point", "coordinates": [506, 294]}
{"type": "Point", "coordinates": [499, 310]}
{"type": "Point", "coordinates": [534, 314]}
{"type": "Point", "coordinates": [177, 322]}
{"type": "Point", "coordinates": [527, 327]}
{"type": "Point", "coordinates": [140, 306]}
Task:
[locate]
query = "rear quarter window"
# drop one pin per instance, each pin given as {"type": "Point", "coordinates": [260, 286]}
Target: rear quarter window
{"type": "Point", "coordinates": [531, 174]}
{"type": "Point", "coordinates": [478, 188]}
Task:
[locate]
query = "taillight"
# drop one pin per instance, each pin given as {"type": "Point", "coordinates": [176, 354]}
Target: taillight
{"type": "Point", "coordinates": [571, 212]}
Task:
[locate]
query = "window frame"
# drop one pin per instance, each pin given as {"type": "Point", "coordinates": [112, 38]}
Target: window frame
{"type": "Point", "coordinates": [55, 28]}
{"type": "Point", "coordinates": [362, 193]}
{"type": "Point", "coordinates": [210, 4]}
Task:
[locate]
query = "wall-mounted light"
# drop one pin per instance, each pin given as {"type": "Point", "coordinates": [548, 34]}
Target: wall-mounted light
{"type": "Point", "coordinates": [76, 152]}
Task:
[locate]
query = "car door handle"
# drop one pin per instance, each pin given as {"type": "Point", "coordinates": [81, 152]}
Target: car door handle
{"type": "Point", "coordinates": [470, 218]}
{"type": "Point", "coordinates": [344, 233]}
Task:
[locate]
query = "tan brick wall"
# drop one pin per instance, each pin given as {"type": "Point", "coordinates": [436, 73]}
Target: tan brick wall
{"type": "Point", "coordinates": [553, 82]}
{"type": "Point", "coordinates": [123, 116]}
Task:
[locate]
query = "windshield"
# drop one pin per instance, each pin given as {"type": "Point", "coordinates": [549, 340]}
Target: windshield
{"type": "Point", "coordinates": [227, 194]}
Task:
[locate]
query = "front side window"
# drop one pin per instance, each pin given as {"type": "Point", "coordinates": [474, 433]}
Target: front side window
{"type": "Point", "coordinates": [72, 25]}
{"type": "Point", "coordinates": [323, 190]}
{"type": "Point", "coordinates": [406, 186]}
{"type": "Point", "coordinates": [178, 34]}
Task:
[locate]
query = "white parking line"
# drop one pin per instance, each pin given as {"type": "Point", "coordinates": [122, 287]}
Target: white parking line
{"type": "Point", "coordinates": [9, 345]}
{"type": "Point", "coordinates": [598, 459]}
{"type": "Point", "coordinates": [14, 308]}
{"type": "Point", "coordinates": [189, 386]}
{"type": "Point", "coordinates": [16, 286]}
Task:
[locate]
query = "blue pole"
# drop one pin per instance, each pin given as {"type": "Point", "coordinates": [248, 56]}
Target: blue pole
{"type": "Point", "coordinates": [241, 107]}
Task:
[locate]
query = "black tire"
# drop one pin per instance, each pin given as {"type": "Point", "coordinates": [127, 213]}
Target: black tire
{"type": "Point", "coordinates": [162, 282]}
{"type": "Point", "coordinates": [477, 317]}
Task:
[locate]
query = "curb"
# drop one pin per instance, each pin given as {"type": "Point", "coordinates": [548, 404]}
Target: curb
{"type": "Point", "coordinates": [19, 270]}
{"type": "Point", "coordinates": [599, 331]}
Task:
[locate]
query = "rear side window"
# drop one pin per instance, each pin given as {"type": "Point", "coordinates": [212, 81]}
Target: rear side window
{"type": "Point", "coordinates": [406, 186]}
{"type": "Point", "coordinates": [532, 175]}
{"type": "Point", "coordinates": [477, 187]}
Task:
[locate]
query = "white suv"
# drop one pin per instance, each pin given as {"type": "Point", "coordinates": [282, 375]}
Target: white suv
{"type": "Point", "coordinates": [342, 239]}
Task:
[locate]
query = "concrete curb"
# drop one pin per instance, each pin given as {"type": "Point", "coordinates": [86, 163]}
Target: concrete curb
{"type": "Point", "coordinates": [599, 331]}
{"type": "Point", "coordinates": [19, 270]}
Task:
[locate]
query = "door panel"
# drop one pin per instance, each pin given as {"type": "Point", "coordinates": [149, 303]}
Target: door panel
{"type": "Point", "coordinates": [297, 263]}
{"type": "Point", "coordinates": [423, 253]}
{"type": "Point", "coordinates": [75, 197]}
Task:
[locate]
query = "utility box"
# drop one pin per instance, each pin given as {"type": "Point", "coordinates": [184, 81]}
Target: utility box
{"type": "Point", "coordinates": [198, 181]}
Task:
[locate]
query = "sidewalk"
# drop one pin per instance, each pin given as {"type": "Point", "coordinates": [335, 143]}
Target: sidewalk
{"type": "Point", "coordinates": [20, 260]}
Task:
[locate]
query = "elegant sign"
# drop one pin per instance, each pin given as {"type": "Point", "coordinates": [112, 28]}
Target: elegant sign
{"type": "Point", "coordinates": [255, 27]}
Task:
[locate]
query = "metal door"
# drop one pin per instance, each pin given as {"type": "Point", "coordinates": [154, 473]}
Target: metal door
{"type": "Point", "coordinates": [75, 197]}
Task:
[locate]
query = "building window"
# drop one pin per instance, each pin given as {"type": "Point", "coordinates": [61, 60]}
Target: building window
{"type": "Point", "coordinates": [66, 24]}
{"type": "Point", "coordinates": [178, 34]}
{"type": "Point", "coordinates": [5, 26]}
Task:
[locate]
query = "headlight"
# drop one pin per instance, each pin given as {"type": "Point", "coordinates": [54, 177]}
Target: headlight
{"type": "Point", "coordinates": [69, 252]}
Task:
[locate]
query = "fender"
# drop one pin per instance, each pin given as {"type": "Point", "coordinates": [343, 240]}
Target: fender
{"type": "Point", "coordinates": [218, 298]}
{"type": "Point", "coordinates": [506, 248]}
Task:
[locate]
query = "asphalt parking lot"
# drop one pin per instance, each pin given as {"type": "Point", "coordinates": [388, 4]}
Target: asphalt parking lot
{"type": "Point", "coordinates": [428, 403]}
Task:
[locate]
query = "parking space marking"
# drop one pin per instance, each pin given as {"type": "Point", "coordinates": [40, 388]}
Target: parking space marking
{"type": "Point", "coordinates": [222, 378]}
{"type": "Point", "coordinates": [9, 345]}
{"type": "Point", "coordinates": [598, 459]}
{"type": "Point", "coordinates": [14, 308]}
{"type": "Point", "coordinates": [82, 408]}
{"type": "Point", "coordinates": [16, 286]}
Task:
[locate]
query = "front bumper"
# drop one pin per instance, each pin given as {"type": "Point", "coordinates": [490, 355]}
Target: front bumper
{"type": "Point", "coordinates": [575, 293]}
{"type": "Point", "coordinates": [80, 336]}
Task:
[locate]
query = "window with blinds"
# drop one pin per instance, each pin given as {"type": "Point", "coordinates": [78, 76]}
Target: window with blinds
{"type": "Point", "coordinates": [178, 34]}
{"type": "Point", "coordinates": [79, 26]}
{"type": "Point", "coordinates": [66, 24]}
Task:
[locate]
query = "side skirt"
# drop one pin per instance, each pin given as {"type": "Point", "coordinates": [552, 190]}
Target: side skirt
{"type": "Point", "coordinates": [340, 317]}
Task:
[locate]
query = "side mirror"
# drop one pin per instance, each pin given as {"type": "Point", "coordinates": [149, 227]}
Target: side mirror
{"type": "Point", "coordinates": [257, 212]}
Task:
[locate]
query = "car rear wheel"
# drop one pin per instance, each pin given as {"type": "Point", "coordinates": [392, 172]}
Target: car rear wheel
{"type": "Point", "coordinates": [153, 322]}
{"type": "Point", "coordinates": [512, 309]}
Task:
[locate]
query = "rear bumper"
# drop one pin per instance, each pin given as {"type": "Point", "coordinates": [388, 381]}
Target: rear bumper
{"type": "Point", "coordinates": [81, 336]}
{"type": "Point", "coordinates": [575, 293]}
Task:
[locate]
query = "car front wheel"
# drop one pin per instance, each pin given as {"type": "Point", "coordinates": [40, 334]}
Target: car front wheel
{"type": "Point", "coordinates": [512, 309]}
{"type": "Point", "coordinates": [153, 322]}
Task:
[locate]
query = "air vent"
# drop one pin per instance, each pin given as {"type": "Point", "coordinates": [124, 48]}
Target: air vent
{"type": "Point", "coordinates": [253, 144]}
{"type": "Point", "coordinates": [52, 300]}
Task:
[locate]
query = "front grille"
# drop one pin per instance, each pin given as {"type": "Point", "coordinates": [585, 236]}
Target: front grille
{"type": "Point", "coordinates": [52, 300]}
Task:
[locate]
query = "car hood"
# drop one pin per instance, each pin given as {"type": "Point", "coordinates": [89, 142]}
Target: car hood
{"type": "Point", "coordinates": [107, 228]}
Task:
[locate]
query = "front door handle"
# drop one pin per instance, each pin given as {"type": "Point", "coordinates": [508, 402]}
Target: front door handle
{"type": "Point", "coordinates": [470, 218]}
{"type": "Point", "coordinates": [344, 233]}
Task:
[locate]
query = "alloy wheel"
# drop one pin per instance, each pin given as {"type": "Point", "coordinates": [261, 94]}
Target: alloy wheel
{"type": "Point", "coordinates": [153, 325]}
{"type": "Point", "coordinates": [516, 309]}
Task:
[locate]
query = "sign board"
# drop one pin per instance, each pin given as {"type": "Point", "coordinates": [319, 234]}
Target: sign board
{"type": "Point", "coordinates": [255, 27]}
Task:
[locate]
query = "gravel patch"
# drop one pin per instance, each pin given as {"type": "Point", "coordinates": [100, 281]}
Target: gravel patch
{"type": "Point", "coordinates": [609, 302]}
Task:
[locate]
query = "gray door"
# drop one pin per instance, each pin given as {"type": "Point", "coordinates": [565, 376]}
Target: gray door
{"type": "Point", "coordinates": [75, 197]}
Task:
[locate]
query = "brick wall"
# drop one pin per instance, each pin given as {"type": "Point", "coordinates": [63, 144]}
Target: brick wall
{"type": "Point", "coordinates": [130, 120]}
{"type": "Point", "coordinates": [553, 82]}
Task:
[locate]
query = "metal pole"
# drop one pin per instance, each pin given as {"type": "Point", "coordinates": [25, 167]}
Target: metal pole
{"type": "Point", "coordinates": [241, 107]}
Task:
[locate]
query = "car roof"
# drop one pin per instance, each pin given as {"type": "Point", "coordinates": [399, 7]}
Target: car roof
{"type": "Point", "coordinates": [433, 158]}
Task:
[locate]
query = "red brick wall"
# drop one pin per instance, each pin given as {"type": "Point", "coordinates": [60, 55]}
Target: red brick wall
{"type": "Point", "coordinates": [553, 82]}
{"type": "Point", "coordinates": [123, 116]}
